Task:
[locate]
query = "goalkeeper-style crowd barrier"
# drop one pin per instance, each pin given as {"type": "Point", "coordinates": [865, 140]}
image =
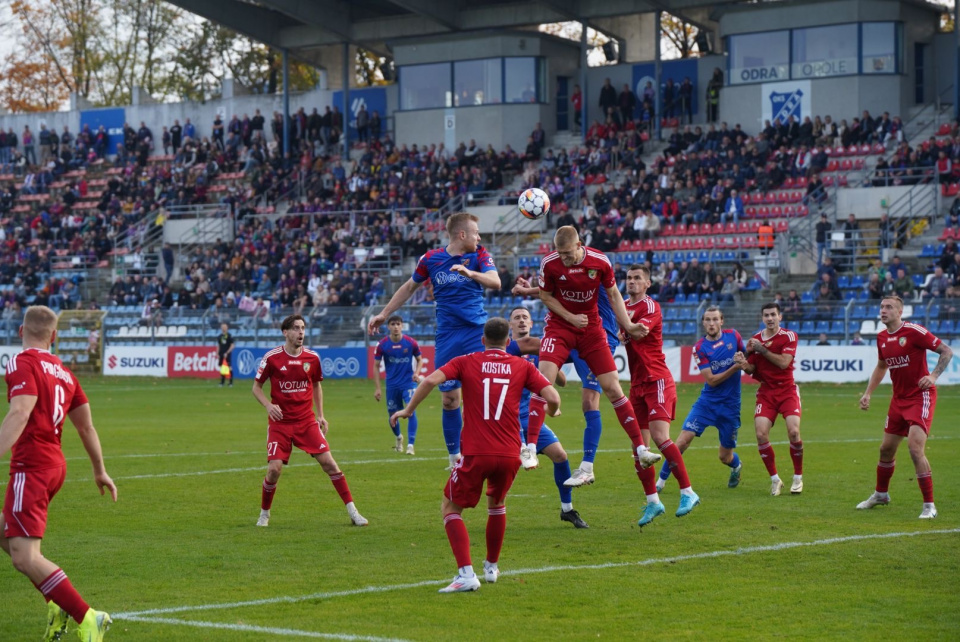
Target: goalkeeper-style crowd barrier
{"type": "Point", "coordinates": [831, 364]}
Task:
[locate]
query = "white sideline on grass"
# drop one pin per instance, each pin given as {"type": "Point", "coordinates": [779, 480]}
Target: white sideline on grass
{"type": "Point", "coordinates": [249, 628]}
{"type": "Point", "coordinates": [526, 571]}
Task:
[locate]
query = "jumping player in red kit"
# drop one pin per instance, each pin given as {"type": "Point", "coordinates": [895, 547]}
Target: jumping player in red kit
{"type": "Point", "coordinates": [294, 374]}
{"type": "Point", "coordinates": [493, 384]}
{"type": "Point", "coordinates": [769, 358]}
{"type": "Point", "coordinates": [902, 350]}
{"type": "Point", "coordinates": [42, 392]}
{"type": "Point", "coordinates": [570, 280]}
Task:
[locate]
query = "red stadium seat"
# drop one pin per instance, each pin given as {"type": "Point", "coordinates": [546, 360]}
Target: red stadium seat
{"type": "Point", "coordinates": [681, 229]}
{"type": "Point", "coordinates": [802, 181]}
{"type": "Point", "coordinates": [729, 228]}
{"type": "Point", "coordinates": [693, 229]}
{"type": "Point", "coordinates": [846, 165]}
{"type": "Point", "coordinates": [660, 244]}
{"type": "Point", "coordinates": [776, 211]}
{"type": "Point", "coordinates": [686, 244]}
{"type": "Point", "coordinates": [944, 129]}
{"type": "Point", "coordinates": [781, 226]}
{"type": "Point", "coordinates": [668, 230]}
{"type": "Point", "coordinates": [832, 166]}
{"type": "Point", "coordinates": [673, 245]}
{"type": "Point", "coordinates": [717, 228]}
{"type": "Point", "coordinates": [788, 182]}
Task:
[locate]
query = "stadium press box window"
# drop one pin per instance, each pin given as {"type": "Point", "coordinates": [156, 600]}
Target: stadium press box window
{"type": "Point", "coordinates": [815, 52]}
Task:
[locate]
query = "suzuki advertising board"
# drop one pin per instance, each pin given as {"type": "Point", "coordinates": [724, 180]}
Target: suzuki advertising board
{"type": "Point", "coordinates": [140, 362]}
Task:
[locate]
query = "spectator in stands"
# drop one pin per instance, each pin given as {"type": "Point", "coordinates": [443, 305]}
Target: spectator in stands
{"type": "Point", "coordinates": [733, 207]}
{"type": "Point", "coordinates": [851, 239]}
{"type": "Point", "coordinates": [902, 285]}
{"type": "Point", "coordinates": [946, 257]}
{"type": "Point", "coordinates": [693, 278]}
{"type": "Point", "coordinates": [937, 286]}
{"type": "Point", "coordinates": [896, 264]}
{"type": "Point", "coordinates": [823, 229]}
{"type": "Point", "coordinates": [12, 317]}
{"type": "Point", "coordinates": [874, 287]}
{"type": "Point", "coordinates": [822, 339]}
{"type": "Point", "coordinates": [857, 340]}
{"type": "Point", "coordinates": [627, 102]}
{"type": "Point", "coordinates": [825, 300]}
{"type": "Point", "coordinates": [792, 307]}
{"type": "Point", "coordinates": [151, 315]}
{"type": "Point", "coordinates": [608, 97]}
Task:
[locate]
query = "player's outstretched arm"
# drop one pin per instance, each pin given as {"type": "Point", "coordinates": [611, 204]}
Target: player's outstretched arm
{"type": "Point", "coordinates": [16, 420]}
{"type": "Point", "coordinates": [422, 392]}
{"type": "Point", "coordinates": [875, 378]}
{"type": "Point", "coordinates": [522, 288]}
{"type": "Point", "coordinates": [377, 393]}
{"type": "Point", "coordinates": [946, 355]}
{"type": "Point", "coordinates": [82, 420]}
{"type": "Point", "coordinates": [401, 296]}
{"type": "Point", "coordinates": [318, 402]}
{"type": "Point", "coordinates": [552, 397]}
{"type": "Point", "coordinates": [632, 330]}
{"type": "Point", "coordinates": [714, 380]}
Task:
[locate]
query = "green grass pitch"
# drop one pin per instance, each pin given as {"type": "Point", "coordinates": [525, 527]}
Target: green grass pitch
{"type": "Point", "coordinates": [179, 558]}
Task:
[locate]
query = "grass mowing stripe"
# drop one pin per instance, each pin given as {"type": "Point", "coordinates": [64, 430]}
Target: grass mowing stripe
{"type": "Point", "coordinates": [197, 473]}
{"type": "Point", "coordinates": [543, 569]}
{"type": "Point", "coordinates": [249, 628]}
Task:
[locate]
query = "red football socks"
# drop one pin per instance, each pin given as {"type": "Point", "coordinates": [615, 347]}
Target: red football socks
{"type": "Point", "coordinates": [340, 483]}
{"type": "Point", "coordinates": [628, 420]}
{"type": "Point", "coordinates": [769, 459]}
{"type": "Point", "coordinates": [796, 454]}
{"type": "Point", "coordinates": [57, 588]}
{"type": "Point", "coordinates": [496, 527]}
{"type": "Point", "coordinates": [266, 494]}
{"type": "Point", "coordinates": [675, 459]}
{"type": "Point", "coordinates": [884, 473]}
{"type": "Point", "coordinates": [925, 482]}
{"type": "Point", "coordinates": [459, 538]}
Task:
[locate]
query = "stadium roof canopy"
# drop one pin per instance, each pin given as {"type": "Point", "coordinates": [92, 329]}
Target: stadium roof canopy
{"type": "Point", "coordinates": [304, 27]}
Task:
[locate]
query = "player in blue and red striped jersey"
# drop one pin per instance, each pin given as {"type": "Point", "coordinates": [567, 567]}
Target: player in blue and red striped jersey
{"type": "Point", "coordinates": [902, 350]}
{"type": "Point", "coordinates": [719, 402]}
{"type": "Point", "coordinates": [528, 347]}
{"type": "Point", "coordinates": [459, 273]}
{"type": "Point", "coordinates": [397, 352]}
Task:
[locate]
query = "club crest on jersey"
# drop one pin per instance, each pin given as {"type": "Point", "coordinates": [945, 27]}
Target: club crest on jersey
{"type": "Point", "coordinates": [306, 367]}
{"type": "Point", "coordinates": [729, 346]}
{"type": "Point", "coordinates": [768, 344]}
{"type": "Point", "coordinates": [592, 274]}
{"type": "Point", "coordinates": [465, 262]}
{"type": "Point", "coordinates": [902, 341]}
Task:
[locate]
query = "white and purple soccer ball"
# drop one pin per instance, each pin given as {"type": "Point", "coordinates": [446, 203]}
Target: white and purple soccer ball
{"type": "Point", "coordinates": [533, 203]}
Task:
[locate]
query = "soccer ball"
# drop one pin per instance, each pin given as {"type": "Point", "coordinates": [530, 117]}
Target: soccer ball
{"type": "Point", "coordinates": [533, 203]}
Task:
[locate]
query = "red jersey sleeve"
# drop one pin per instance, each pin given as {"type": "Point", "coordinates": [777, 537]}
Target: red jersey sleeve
{"type": "Point", "coordinates": [21, 378]}
{"type": "Point", "coordinates": [740, 347]}
{"type": "Point", "coordinates": [378, 351]}
{"type": "Point", "coordinates": [606, 275]}
{"type": "Point", "coordinates": [927, 340]}
{"type": "Point", "coordinates": [414, 347]}
{"type": "Point", "coordinates": [790, 344]}
{"type": "Point", "coordinates": [422, 273]}
{"type": "Point", "coordinates": [79, 396]}
{"type": "Point", "coordinates": [263, 372]}
{"type": "Point", "coordinates": [318, 375]}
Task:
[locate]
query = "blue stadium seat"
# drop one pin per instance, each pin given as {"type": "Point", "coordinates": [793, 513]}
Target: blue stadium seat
{"type": "Point", "coordinates": [934, 326]}
{"type": "Point", "coordinates": [934, 311]}
{"type": "Point", "coordinates": [948, 327]}
{"type": "Point", "coordinates": [806, 327]}
{"type": "Point", "coordinates": [836, 327]}
{"type": "Point", "coordinates": [704, 256]}
{"type": "Point", "coordinates": [857, 281]}
{"type": "Point", "coordinates": [671, 314]}
{"type": "Point", "coordinates": [688, 314]}
{"type": "Point", "coordinates": [843, 281]}
{"type": "Point", "coordinates": [854, 326]}
{"type": "Point", "coordinates": [822, 326]}
{"type": "Point", "coordinates": [850, 295]}
{"type": "Point", "coordinates": [918, 279]}
{"type": "Point", "coordinates": [729, 256]}
{"type": "Point", "coordinates": [689, 327]}
{"type": "Point", "coordinates": [681, 298]}
{"type": "Point", "coordinates": [675, 327]}
{"type": "Point", "coordinates": [859, 313]}
{"type": "Point", "coordinates": [863, 296]}
{"type": "Point", "coordinates": [806, 297]}
{"type": "Point", "coordinates": [626, 259]}
{"type": "Point", "coordinates": [927, 252]}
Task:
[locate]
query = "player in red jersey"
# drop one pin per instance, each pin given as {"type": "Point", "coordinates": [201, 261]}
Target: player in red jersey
{"type": "Point", "coordinates": [570, 280]}
{"type": "Point", "coordinates": [902, 349]}
{"type": "Point", "coordinates": [295, 374]}
{"type": "Point", "coordinates": [493, 384]}
{"type": "Point", "coordinates": [653, 394]}
{"type": "Point", "coordinates": [42, 392]}
{"type": "Point", "coordinates": [769, 358]}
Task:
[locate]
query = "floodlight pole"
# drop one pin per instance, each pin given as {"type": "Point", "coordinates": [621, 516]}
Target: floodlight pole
{"type": "Point", "coordinates": [583, 80]}
{"type": "Point", "coordinates": [346, 102]}
{"type": "Point", "coordinates": [286, 102]}
{"type": "Point", "coordinates": [658, 70]}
